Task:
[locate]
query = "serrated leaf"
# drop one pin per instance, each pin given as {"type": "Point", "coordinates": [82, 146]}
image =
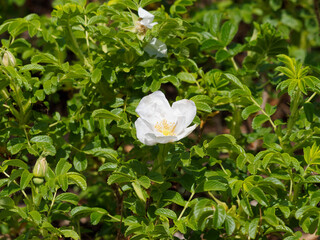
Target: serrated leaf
{"type": "Point", "coordinates": [230, 225]}
{"type": "Point", "coordinates": [249, 110]}
{"type": "Point", "coordinates": [77, 179]}
{"type": "Point", "coordinates": [109, 166]}
{"type": "Point", "coordinates": [186, 77]}
{"type": "Point", "coordinates": [95, 217]}
{"type": "Point", "coordinates": [259, 120]}
{"type": "Point", "coordinates": [174, 197]}
{"type": "Point", "coordinates": [227, 32]}
{"type": "Point", "coordinates": [26, 177]}
{"type": "Point", "coordinates": [166, 213]}
{"type": "Point", "coordinates": [253, 227]}
{"type": "Point", "coordinates": [36, 217]}
{"type": "Point", "coordinates": [32, 67]}
{"type": "Point", "coordinates": [259, 195]}
{"type": "Point", "coordinates": [221, 55]}
{"type": "Point", "coordinates": [62, 167]}
{"type": "Point", "coordinates": [15, 163]}
{"type": "Point", "coordinates": [68, 233]}
{"type": "Point", "coordinates": [219, 216]}
{"type": "Point", "coordinates": [108, 153]}
{"type": "Point", "coordinates": [105, 114]}
{"type": "Point", "coordinates": [80, 210]}
{"type": "Point", "coordinates": [211, 44]}
{"type": "Point", "coordinates": [68, 197]}
{"type": "Point", "coordinates": [214, 185]}
{"type": "Point", "coordinates": [96, 75]}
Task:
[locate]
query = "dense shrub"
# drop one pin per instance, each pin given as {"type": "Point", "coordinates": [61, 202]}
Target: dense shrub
{"type": "Point", "coordinates": [237, 159]}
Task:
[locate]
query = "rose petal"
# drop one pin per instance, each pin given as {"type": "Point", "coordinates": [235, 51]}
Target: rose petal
{"type": "Point", "coordinates": [154, 108]}
{"type": "Point", "coordinates": [144, 133]}
{"type": "Point", "coordinates": [186, 132]}
{"type": "Point", "coordinates": [163, 139]}
{"type": "Point", "coordinates": [184, 109]}
{"type": "Point", "coordinates": [145, 14]}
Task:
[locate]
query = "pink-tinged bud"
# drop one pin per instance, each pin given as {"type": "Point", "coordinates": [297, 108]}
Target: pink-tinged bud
{"type": "Point", "coordinates": [40, 168]}
{"type": "Point", "coordinates": [8, 59]}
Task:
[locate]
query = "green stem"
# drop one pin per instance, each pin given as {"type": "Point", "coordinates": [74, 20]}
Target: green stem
{"type": "Point", "coordinates": [269, 119]}
{"type": "Point", "coordinates": [236, 123]}
{"type": "Point", "coordinates": [160, 160]}
{"type": "Point", "coordinates": [293, 113]}
{"type": "Point", "coordinates": [52, 202]}
{"type": "Point", "coordinates": [264, 113]}
{"type": "Point", "coordinates": [186, 206]}
{"type": "Point", "coordinates": [75, 46]}
{"type": "Point", "coordinates": [23, 192]}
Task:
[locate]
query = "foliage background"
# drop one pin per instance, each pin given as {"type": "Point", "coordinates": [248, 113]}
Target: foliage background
{"type": "Point", "coordinates": [249, 171]}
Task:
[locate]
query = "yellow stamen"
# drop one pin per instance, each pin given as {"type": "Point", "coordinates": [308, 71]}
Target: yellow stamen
{"type": "Point", "coordinates": [165, 127]}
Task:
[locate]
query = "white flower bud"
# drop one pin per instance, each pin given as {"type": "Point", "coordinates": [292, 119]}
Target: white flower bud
{"type": "Point", "coordinates": [8, 59]}
{"type": "Point", "coordinates": [40, 168]}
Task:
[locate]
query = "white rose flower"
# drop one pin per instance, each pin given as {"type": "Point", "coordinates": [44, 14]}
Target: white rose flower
{"type": "Point", "coordinates": [156, 47]}
{"type": "Point", "coordinates": [158, 122]}
{"type": "Point", "coordinates": [146, 18]}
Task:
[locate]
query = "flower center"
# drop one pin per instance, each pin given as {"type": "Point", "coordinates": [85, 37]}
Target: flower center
{"type": "Point", "coordinates": [165, 127]}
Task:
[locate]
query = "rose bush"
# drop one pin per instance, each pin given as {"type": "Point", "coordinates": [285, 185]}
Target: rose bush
{"type": "Point", "coordinates": [150, 119]}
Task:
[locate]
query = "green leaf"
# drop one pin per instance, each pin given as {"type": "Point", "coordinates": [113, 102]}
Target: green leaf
{"type": "Point", "coordinates": [25, 179]}
{"type": "Point", "coordinates": [109, 166]}
{"type": "Point", "coordinates": [105, 114]}
{"type": "Point", "coordinates": [222, 140]}
{"type": "Point", "coordinates": [41, 139]}
{"type": "Point", "coordinates": [313, 179]}
{"type": "Point", "coordinates": [32, 67]}
{"type": "Point", "coordinates": [144, 181]}
{"type": "Point", "coordinates": [214, 185]}
{"type": "Point", "coordinates": [144, 3]}
{"type": "Point", "coordinates": [230, 225]}
{"type": "Point", "coordinates": [36, 217]}
{"type": "Point", "coordinates": [96, 75]}
{"type": "Point", "coordinates": [95, 217]}
{"type": "Point", "coordinates": [174, 197]}
{"type": "Point", "coordinates": [68, 197]}
{"type": "Point", "coordinates": [80, 162]}
{"type": "Point", "coordinates": [107, 153]}
{"type": "Point", "coordinates": [221, 55]}
{"type": "Point", "coordinates": [234, 79]}
{"type": "Point", "coordinates": [253, 227]}
{"type": "Point", "coordinates": [259, 120]}
{"type": "Point", "coordinates": [186, 77]}
{"type": "Point", "coordinates": [211, 44]}
{"type": "Point", "coordinates": [80, 210]}
{"type": "Point", "coordinates": [68, 233]}
{"type": "Point", "coordinates": [63, 181]}
{"type": "Point", "coordinates": [228, 31]}
{"type": "Point", "coordinates": [15, 163]}
{"type": "Point", "coordinates": [6, 203]}
{"type": "Point", "coordinates": [62, 167]}
{"type": "Point", "coordinates": [139, 191]}
{"type": "Point", "coordinates": [259, 195]}
{"type": "Point", "coordinates": [219, 216]}
{"type": "Point", "coordinates": [165, 212]}
{"type": "Point", "coordinates": [77, 179]}
{"type": "Point", "coordinates": [309, 111]}
{"type": "Point", "coordinates": [203, 107]}
{"type": "Point", "coordinates": [249, 110]}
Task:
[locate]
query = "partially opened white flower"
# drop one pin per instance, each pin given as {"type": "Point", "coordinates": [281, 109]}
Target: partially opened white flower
{"type": "Point", "coordinates": [156, 48]}
{"type": "Point", "coordinates": [146, 18]}
{"type": "Point", "coordinates": [158, 122]}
